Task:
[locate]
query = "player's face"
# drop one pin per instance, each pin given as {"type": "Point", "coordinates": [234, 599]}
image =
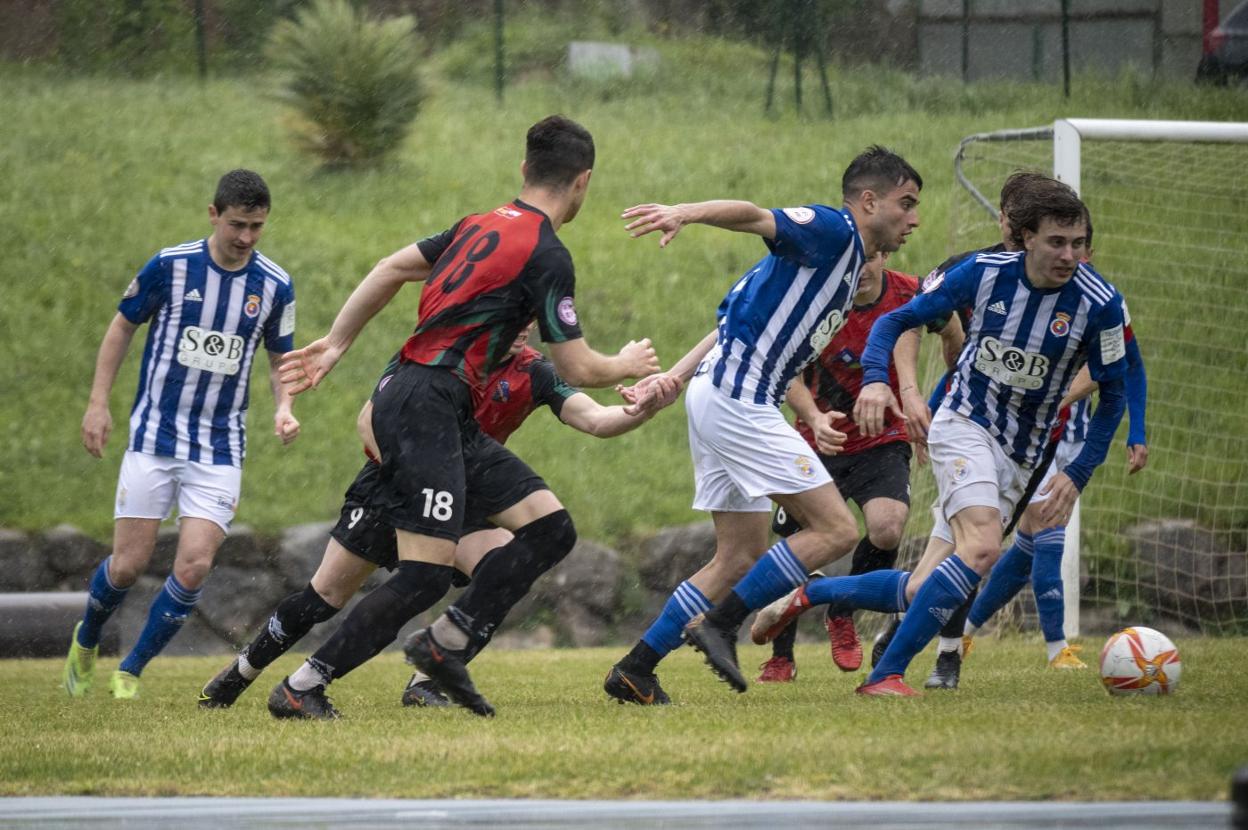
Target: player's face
{"type": "Point", "coordinates": [1053, 251]}
{"type": "Point", "coordinates": [897, 214]}
{"type": "Point", "coordinates": [869, 278]}
{"type": "Point", "coordinates": [522, 340]}
{"type": "Point", "coordinates": [236, 230]}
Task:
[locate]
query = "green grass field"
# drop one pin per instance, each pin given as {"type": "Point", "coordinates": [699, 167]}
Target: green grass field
{"type": "Point", "coordinates": [1013, 731]}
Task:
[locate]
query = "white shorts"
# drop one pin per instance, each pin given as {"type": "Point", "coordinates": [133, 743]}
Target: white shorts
{"type": "Point", "coordinates": [1067, 451]}
{"type": "Point", "coordinates": [744, 452]}
{"type": "Point", "coordinates": [972, 470]}
{"type": "Point", "coordinates": [149, 485]}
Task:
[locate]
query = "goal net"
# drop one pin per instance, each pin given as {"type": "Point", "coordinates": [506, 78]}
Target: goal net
{"type": "Point", "coordinates": [1169, 204]}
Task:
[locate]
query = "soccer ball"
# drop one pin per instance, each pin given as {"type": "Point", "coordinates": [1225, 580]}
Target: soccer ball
{"type": "Point", "coordinates": [1140, 661]}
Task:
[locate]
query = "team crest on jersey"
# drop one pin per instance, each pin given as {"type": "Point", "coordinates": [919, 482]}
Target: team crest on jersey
{"type": "Point", "coordinates": [1060, 327]}
{"type": "Point", "coordinates": [800, 215]}
{"type": "Point", "coordinates": [253, 305]}
{"type": "Point", "coordinates": [846, 356]}
{"type": "Point", "coordinates": [960, 468]}
{"type": "Point", "coordinates": [508, 212]}
{"type": "Point", "coordinates": [932, 281]}
{"type": "Point", "coordinates": [132, 290]}
{"type": "Point", "coordinates": [502, 392]}
{"type": "Point", "coordinates": [805, 466]}
{"type": "Point", "coordinates": [567, 311]}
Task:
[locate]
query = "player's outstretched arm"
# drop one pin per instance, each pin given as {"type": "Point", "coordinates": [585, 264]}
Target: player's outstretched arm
{"type": "Point", "coordinates": [97, 422]}
{"type": "Point", "coordinates": [732, 215]}
{"type": "Point", "coordinates": [304, 368]}
{"type": "Point", "coordinates": [580, 365]}
{"type": "Point", "coordinates": [649, 393]}
{"type": "Point", "coordinates": [285, 425]}
{"type": "Point", "coordinates": [584, 414]}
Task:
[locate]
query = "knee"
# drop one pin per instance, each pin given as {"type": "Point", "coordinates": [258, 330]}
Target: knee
{"type": "Point", "coordinates": [123, 572]}
{"type": "Point", "coordinates": [839, 537]}
{"type": "Point", "coordinates": [192, 573]}
{"type": "Point", "coordinates": [552, 537]}
{"type": "Point", "coordinates": [887, 536]}
{"type": "Point", "coordinates": [980, 558]}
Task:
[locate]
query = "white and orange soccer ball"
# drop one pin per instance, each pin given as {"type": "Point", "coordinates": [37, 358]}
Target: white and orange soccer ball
{"type": "Point", "coordinates": [1140, 661]}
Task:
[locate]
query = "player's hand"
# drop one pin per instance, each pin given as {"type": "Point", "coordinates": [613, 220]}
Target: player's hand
{"type": "Point", "coordinates": [285, 426]}
{"type": "Point", "coordinates": [649, 218]}
{"type": "Point", "coordinates": [920, 452]}
{"type": "Point", "coordinates": [639, 358]}
{"type": "Point", "coordinates": [875, 401]}
{"type": "Point", "coordinates": [828, 439]}
{"type": "Point", "coordinates": [651, 394]}
{"type": "Point", "coordinates": [97, 425]}
{"type": "Point", "coordinates": [1062, 495]}
{"type": "Point", "coordinates": [1137, 458]}
{"type": "Point", "coordinates": [918, 415]}
{"type": "Point", "coordinates": [304, 368]}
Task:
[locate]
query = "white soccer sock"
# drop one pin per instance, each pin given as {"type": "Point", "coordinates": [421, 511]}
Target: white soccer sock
{"type": "Point", "coordinates": [950, 644]}
{"type": "Point", "coordinates": [1055, 648]}
{"type": "Point", "coordinates": [969, 630]}
{"type": "Point", "coordinates": [306, 677]}
{"type": "Point", "coordinates": [246, 669]}
{"type": "Point", "coordinates": [448, 634]}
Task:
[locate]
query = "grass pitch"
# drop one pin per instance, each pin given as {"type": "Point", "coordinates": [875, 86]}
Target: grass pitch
{"type": "Point", "coordinates": [1013, 731]}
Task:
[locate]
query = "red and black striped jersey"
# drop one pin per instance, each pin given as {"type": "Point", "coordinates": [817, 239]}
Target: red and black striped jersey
{"type": "Point", "coordinates": [492, 273]}
{"type": "Point", "coordinates": [515, 390]}
{"type": "Point", "coordinates": [835, 377]}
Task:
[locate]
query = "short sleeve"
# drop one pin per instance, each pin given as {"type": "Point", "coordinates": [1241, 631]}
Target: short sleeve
{"type": "Point", "coordinates": [432, 247]}
{"type": "Point", "coordinates": [1107, 343]}
{"type": "Point", "coordinates": [279, 329]}
{"type": "Point", "coordinates": [548, 388]}
{"type": "Point", "coordinates": [147, 292]}
{"type": "Point", "coordinates": [811, 236]}
{"type": "Point", "coordinates": [551, 285]}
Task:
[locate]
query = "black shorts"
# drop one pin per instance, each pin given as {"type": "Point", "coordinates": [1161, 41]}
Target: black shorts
{"type": "Point", "coordinates": [882, 472]}
{"type": "Point", "coordinates": [441, 476]}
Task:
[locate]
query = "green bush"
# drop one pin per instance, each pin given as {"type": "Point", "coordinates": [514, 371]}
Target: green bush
{"type": "Point", "coordinates": [353, 82]}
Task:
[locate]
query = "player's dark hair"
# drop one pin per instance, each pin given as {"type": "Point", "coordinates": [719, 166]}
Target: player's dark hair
{"type": "Point", "coordinates": [1017, 182]}
{"type": "Point", "coordinates": [878, 169]}
{"type": "Point", "coordinates": [557, 150]}
{"type": "Point", "coordinates": [1042, 199]}
{"type": "Point", "coordinates": [241, 188]}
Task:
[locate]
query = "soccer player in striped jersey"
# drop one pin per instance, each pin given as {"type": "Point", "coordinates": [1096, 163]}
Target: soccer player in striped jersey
{"type": "Point", "coordinates": [483, 280]}
{"type": "Point", "coordinates": [774, 321]}
{"type": "Point", "coordinates": [210, 303]}
{"type": "Point", "coordinates": [361, 541]}
{"type": "Point", "coordinates": [1039, 315]}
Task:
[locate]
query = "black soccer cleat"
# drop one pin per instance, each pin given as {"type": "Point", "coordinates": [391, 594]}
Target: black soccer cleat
{"type": "Point", "coordinates": [630, 687]}
{"type": "Point", "coordinates": [448, 669]}
{"type": "Point", "coordinates": [882, 640]}
{"type": "Point", "coordinates": [945, 673]}
{"type": "Point", "coordinates": [423, 691]}
{"type": "Point", "coordinates": [719, 646]}
{"type": "Point", "coordinates": [285, 702]}
{"type": "Point", "coordinates": [224, 689]}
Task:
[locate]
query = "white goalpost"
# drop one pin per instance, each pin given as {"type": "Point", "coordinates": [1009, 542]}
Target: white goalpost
{"type": "Point", "coordinates": [1169, 204]}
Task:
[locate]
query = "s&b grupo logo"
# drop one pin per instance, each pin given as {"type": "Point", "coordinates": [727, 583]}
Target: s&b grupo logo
{"type": "Point", "coordinates": [210, 350]}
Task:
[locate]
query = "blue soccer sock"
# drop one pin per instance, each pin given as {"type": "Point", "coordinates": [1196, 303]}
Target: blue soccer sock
{"type": "Point", "coordinates": [940, 595]}
{"type": "Point", "coordinates": [168, 612]}
{"type": "Point", "coordinates": [883, 591]}
{"type": "Point", "coordinates": [665, 633]}
{"type": "Point", "coordinates": [102, 600]}
{"type": "Point", "coordinates": [1008, 577]}
{"type": "Point", "coordinates": [1046, 581]}
{"type": "Point", "coordinates": [776, 573]}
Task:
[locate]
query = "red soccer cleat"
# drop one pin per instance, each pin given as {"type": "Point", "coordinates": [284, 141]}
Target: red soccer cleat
{"type": "Point", "coordinates": [778, 670]}
{"type": "Point", "coordinates": [769, 622]}
{"type": "Point", "coordinates": [891, 686]}
{"type": "Point", "coordinates": [846, 647]}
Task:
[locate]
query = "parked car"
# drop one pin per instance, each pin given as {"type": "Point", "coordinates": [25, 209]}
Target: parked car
{"type": "Point", "coordinates": [1226, 51]}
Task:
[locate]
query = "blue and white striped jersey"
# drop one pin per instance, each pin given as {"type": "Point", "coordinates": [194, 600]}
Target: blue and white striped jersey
{"type": "Point", "coordinates": [1023, 348]}
{"type": "Point", "coordinates": [1077, 427]}
{"type": "Point", "coordinates": [784, 310]}
{"type": "Point", "coordinates": [206, 323]}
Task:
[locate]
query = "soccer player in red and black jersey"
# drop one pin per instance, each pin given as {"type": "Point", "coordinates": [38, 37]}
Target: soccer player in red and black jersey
{"type": "Point", "coordinates": [871, 471]}
{"type": "Point", "coordinates": [361, 542]}
{"type": "Point", "coordinates": [484, 279]}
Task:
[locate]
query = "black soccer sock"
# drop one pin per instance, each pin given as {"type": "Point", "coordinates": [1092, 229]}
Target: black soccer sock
{"type": "Point", "coordinates": [782, 645]}
{"type": "Point", "coordinates": [641, 660]}
{"type": "Point", "coordinates": [730, 613]}
{"type": "Point", "coordinates": [868, 558]}
{"type": "Point", "coordinates": [294, 617]}
{"type": "Point", "coordinates": [375, 622]}
{"type": "Point", "coordinates": [507, 573]}
{"type": "Point", "coordinates": [955, 628]}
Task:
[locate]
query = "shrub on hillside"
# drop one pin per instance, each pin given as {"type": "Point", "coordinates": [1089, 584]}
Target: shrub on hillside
{"type": "Point", "coordinates": [353, 82]}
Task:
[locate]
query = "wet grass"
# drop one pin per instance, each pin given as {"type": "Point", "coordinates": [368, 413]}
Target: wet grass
{"type": "Point", "coordinates": [1013, 731]}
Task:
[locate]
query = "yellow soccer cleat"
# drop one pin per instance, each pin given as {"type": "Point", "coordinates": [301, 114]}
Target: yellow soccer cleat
{"type": "Point", "coordinates": [124, 685]}
{"type": "Point", "coordinates": [79, 670]}
{"type": "Point", "coordinates": [1066, 659]}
